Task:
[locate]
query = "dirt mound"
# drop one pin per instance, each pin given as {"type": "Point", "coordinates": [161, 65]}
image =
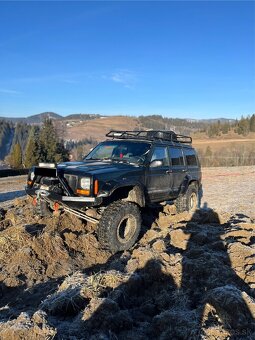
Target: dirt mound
{"type": "Point", "coordinates": [187, 277]}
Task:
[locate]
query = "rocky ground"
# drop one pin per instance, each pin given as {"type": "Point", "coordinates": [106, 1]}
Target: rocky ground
{"type": "Point", "coordinates": [187, 277]}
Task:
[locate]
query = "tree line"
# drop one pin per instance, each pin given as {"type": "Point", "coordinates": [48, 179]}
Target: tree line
{"type": "Point", "coordinates": [6, 135]}
{"type": "Point", "coordinates": [79, 149]}
{"type": "Point", "coordinates": [182, 126]}
{"type": "Point", "coordinates": [235, 155]}
{"type": "Point", "coordinates": [32, 145]}
{"type": "Point", "coordinates": [27, 144]}
{"type": "Point", "coordinates": [242, 127]}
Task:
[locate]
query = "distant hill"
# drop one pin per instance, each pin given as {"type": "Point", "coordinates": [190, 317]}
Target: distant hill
{"type": "Point", "coordinates": [35, 119]}
{"type": "Point", "coordinates": [81, 116]}
{"type": "Point", "coordinates": [213, 120]}
{"type": "Point", "coordinates": [39, 118]}
{"type": "Point", "coordinates": [153, 121]}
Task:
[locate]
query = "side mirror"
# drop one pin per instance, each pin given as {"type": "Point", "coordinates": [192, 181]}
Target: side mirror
{"type": "Point", "coordinates": [156, 163]}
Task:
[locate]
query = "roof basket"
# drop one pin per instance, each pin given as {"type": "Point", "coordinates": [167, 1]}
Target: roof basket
{"type": "Point", "coordinates": [169, 136]}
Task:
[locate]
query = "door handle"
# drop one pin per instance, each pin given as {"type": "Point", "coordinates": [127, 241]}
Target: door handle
{"type": "Point", "coordinates": [169, 171]}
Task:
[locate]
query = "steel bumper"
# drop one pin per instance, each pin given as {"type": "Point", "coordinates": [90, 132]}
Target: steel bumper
{"type": "Point", "coordinates": [75, 202]}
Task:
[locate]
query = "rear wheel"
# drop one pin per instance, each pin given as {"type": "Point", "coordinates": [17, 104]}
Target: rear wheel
{"type": "Point", "coordinates": [189, 200]}
{"type": "Point", "coordinates": [119, 226]}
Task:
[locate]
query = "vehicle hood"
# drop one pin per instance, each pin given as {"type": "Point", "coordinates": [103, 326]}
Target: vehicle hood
{"type": "Point", "coordinates": [95, 167]}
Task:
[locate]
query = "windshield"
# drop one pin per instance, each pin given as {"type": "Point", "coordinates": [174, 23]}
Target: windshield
{"type": "Point", "coordinates": [121, 151]}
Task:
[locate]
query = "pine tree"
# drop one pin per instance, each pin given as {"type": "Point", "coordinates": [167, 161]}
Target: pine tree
{"type": "Point", "coordinates": [243, 126]}
{"type": "Point", "coordinates": [51, 149]}
{"type": "Point", "coordinates": [15, 158]}
{"type": "Point", "coordinates": [32, 149]}
{"type": "Point", "coordinates": [252, 123]}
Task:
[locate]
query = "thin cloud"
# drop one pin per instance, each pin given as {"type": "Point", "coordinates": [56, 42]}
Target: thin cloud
{"type": "Point", "coordinates": [66, 78]}
{"type": "Point", "coordinates": [125, 77]}
{"type": "Point", "coordinates": [9, 92]}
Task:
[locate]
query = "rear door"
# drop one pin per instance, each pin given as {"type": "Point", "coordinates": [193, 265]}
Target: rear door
{"type": "Point", "coordinates": [178, 168]}
{"type": "Point", "coordinates": [159, 179]}
{"type": "Point", "coordinates": [192, 163]}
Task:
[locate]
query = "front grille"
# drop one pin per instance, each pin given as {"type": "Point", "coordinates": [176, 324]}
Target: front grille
{"type": "Point", "coordinates": [72, 181]}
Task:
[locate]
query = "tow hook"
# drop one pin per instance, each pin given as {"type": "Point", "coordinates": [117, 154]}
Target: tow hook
{"type": "Point", "coordinates": [56, 206]}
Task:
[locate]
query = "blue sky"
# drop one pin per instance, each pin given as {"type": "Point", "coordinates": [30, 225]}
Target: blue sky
{"type": "Point", "coordinates": [179, 59]}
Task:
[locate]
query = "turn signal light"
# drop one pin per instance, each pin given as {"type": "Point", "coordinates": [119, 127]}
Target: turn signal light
{"type": "Point", "coordinates": [96, 187]}
{"type": "Point", "coordinates": [83, 192]}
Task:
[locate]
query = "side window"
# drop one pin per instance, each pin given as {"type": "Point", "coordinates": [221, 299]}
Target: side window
{"type": "Point", "coordinates": [176, 156]}
{"type": "Point", "coordinates": [160, 153]}
{"type": "Point", "coordinates": [190, 155]}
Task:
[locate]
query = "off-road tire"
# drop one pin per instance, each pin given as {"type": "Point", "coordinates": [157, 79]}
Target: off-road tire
{"type": "Point", "coordinates": [117, 219]}
{"type": "Point", "coordinates": [189, 200]}
{"type": "Point", "coordinates": [42, 209]}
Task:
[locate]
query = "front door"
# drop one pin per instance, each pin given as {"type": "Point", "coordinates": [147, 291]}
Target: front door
{"type": "Point", "coordinates": [159, 177]}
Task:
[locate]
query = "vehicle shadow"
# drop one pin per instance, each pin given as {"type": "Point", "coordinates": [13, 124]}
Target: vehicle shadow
{"type": "Point", "coordinates": [151, 305]}
{"type": "Point", "coordinates": [25, 298]}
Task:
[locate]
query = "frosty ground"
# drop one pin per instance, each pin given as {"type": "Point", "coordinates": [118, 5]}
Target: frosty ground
{"type": "Point", "coordinates": [186, 277]}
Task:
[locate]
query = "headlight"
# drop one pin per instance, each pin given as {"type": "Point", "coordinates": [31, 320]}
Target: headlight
{"type": "Point", "coordinates": [32, 175]}
{"type": "Point", "coordinates": [85, 183]}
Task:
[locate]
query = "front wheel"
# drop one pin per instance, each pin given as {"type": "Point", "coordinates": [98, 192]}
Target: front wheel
{"type": "Point", "coordinates": [119, 226]}
{"type": "Point", "coordinates": [189, 200]}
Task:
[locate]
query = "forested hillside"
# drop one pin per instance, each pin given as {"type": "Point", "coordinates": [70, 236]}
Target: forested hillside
{"type": "Point", "coordinates": [6, 136]}
{"type": "Point", "coordinates": [182, 126]}
{"type": "Point", "coordinates": [80, 132]}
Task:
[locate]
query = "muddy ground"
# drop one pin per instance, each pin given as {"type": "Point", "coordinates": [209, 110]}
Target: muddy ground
{"type": "Point", "coordinates": [188, 277]}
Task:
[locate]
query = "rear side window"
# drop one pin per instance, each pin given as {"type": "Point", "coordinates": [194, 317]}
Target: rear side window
{"type": "Point", "coordinates": [176, 156]}
{"type": "Point", "coordinates": [191, 158]}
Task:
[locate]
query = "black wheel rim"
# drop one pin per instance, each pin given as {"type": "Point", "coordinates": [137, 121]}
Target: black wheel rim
{"type": "Point", "coordinates": [126, 228]}
{"type": "Point", "coordinates": [193, 201]}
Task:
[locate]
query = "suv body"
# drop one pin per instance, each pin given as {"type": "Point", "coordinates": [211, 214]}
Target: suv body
{"type": "Point", "coordinates": [130, 171]}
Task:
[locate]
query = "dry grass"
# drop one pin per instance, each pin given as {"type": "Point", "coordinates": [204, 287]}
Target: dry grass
{"type": "Point", "coordinates": [97, 128]}
{"type": "Point", "coordinates": [98, 282]}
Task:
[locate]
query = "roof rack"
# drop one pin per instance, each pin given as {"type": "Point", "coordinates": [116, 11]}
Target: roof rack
{"type": "Point", "coordinates": [150, 135]}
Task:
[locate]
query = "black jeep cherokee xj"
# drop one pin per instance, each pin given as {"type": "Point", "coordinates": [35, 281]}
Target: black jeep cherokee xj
{"type": "Point", "coordinates": [116, 179]}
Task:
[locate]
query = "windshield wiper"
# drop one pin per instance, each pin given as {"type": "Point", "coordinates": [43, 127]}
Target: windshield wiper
{"type": "Point", "coordinates": [98, 159]}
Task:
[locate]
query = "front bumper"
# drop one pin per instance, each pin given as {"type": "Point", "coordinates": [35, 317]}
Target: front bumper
{"type": "Point", "coordinates": [74, 202]}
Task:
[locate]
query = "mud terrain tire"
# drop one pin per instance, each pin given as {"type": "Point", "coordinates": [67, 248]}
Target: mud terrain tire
{"type": "Point", "coordinates": [119, 226]}
{"type": "Point", "coordinates": [189, 200]}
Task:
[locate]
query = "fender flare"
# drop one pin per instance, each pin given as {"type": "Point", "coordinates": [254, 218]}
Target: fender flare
{"type": "Point", "coordinates": [185, 184]}
{"type": "Point", "coordinates": [136, 194]}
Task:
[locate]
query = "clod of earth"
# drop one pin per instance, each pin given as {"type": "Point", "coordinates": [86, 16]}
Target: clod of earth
{"type": "Point", "coordinates": [186, 277]}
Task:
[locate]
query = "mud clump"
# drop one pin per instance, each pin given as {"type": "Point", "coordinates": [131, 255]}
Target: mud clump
{"type": "Point", "coordinates": [25, 327]}
{"type": "Point", "coordinates": [186, 277]}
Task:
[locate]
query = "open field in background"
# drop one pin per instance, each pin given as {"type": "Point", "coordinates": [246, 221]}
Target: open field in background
{"type": "Point", "coordinates": [217, 145]}
{"type": "Point", "coordinates": [228, 149]}
{"type": "Point", "coordinates": [97, 128]}
{"type": "Point", "coordinates": [226, 152]}
{"type": "Point", "coordinates": [81, 132]}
